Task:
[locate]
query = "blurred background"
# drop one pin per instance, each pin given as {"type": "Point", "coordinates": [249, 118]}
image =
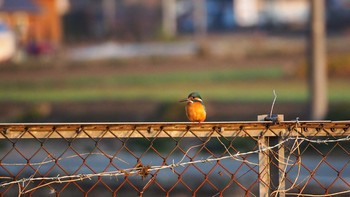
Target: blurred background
{"type": "Point", "coordinates": [133, 60]}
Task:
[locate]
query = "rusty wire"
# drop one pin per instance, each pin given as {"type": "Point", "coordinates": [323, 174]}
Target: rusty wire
{"type": "Point", "coordinates": [144, 159]}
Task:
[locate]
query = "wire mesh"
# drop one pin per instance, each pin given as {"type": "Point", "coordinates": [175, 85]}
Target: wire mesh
{"type": "Point", "coordinates": [175, 159]}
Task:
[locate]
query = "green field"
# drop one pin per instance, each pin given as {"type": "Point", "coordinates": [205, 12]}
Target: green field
{"type": "Point", "coordinates": [229, 84]}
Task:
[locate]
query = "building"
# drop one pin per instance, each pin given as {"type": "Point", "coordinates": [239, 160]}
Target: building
{"type": "Point", "coordinates": [34, 21]}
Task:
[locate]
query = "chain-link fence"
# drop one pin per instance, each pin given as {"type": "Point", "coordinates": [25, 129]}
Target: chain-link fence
{"type": "Point", "coordinates": [176, 159]}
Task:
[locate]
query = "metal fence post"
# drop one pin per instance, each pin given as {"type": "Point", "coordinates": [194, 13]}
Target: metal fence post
{"type": "Point", "coordinates": [281, 169]}
{"type": "Point", "coordinates": [271, 168]}
{"type": "Point", "coordinates": [264, 170]}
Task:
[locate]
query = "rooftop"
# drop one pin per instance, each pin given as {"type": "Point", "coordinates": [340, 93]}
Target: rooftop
{"type": "Point", "coordinates": [18, 5]}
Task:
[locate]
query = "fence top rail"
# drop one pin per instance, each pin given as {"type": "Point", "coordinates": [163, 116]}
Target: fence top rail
{"type": "Point", "coordinates": [168, 123]}
{"type": "Point", "coordinates": [174, 129]}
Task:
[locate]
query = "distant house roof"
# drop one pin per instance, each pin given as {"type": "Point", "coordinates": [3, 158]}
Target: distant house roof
{"type": "Point", "coordinates": [18, 5]}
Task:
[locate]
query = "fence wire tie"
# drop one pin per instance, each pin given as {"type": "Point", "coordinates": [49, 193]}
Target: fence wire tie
{"type": "Point", "coordinates": [325, 142]}
{"type": "Point", "coordinates": [209, 158]}
{"type": "Point", "coordinates": [318, 141]}
{"type": "Point", "coordinates": [52, 191]}
{"type": "Point", "coordinates": [58, 178]}
{"type": "Point", "coordinates": [81, 176]}
{"type": "Point", "coordinates": [172, 166]}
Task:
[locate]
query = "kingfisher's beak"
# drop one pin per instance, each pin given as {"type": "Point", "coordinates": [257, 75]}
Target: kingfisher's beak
{"type": "Point", "coordinates": [184, 100]}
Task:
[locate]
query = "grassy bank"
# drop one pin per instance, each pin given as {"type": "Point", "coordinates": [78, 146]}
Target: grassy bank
{"type": "Point", "coordinates": [229, 84]}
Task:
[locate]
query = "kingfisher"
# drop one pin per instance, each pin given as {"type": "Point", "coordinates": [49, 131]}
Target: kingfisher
{"type": "Point", "coordinates": [195, 108]}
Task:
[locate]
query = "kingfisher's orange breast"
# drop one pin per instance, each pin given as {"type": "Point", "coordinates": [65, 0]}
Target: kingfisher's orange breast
{"type": "Point", "coordinates": [196, 112]}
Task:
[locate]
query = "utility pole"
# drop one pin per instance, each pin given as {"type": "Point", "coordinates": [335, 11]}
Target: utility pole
{"type": "Point", "coordinates": [169, 18]}
{"type": "Point", "coordinates": [109, 15]}
{"type": "Point", "coordinates": [199, 18]}
{"type": "Point", "coordinates": [317, 61]}
{"type": "Point", "coordinates": [200, 26]}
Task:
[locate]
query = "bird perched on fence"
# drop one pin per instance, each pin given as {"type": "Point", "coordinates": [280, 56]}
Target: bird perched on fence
{"type": "Point", "coordinates": [195, 108]}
